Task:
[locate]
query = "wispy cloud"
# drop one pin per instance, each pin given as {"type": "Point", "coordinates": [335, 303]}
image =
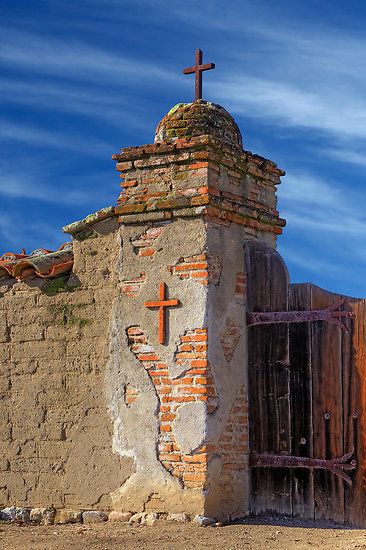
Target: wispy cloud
{"type": "Point", "coordinates": [76, 60]}
{"type": "Point", "coordinates": [109, 106]}
{"type": "Point", "coordinates": [323, 207]}
{"type": "Point", "coordinates": [302, 189]}
{"type": "Point", "coordinates": [347, 156]}
{"type": "Point", "coordinates": [35, 136]}
{"type": "Point", "coordinates": [100, 188]}
{"type": "Point", "coordinates": [310, 262]}
{"type": "Point", "coordinates": [292, 106]}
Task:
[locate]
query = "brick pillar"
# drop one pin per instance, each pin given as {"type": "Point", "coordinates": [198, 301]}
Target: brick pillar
{"type": "Point", "coordinates": [188, 203]}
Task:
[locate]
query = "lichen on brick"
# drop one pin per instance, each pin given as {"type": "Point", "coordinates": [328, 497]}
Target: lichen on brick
{"type": "Point", "coordinates": [78, 226]}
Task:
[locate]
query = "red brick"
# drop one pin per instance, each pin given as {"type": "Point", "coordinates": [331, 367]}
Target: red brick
{"type": "Point", "coordinates": [200, 201]}
{"type": "Point", "coordinates": [165, 428]}
{"type": "Point", "coordinates": [130, 209]}
{"type": "Point", "coordinates": [147, 252]}
{"type": "Point", "coordinates": [129, 183]}
{"type": "Point", "coordinates": [189, 266]}
{"type": "Point", "coordinates": [200, 274]}
{"type": "Point", "coordinates": [171, 457]}
{"type": "Point", "coordinates": [194, 477]}
{"type": "Point", "coordinates": [166, 417]}
{"type": "Point", "coordinates": [206, 380]}
{"type": "Point", "coordinates": [147, 357]}
{"type": "Point", "coordinates": [202, 457]}
{"type": "Point", "coordinates": [134, 331]}
{"type": "Point", "coordinates": [198, 165]}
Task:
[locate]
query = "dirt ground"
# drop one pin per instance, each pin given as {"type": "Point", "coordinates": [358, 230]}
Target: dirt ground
{"type": "Point", "coordinates": [249, 535]}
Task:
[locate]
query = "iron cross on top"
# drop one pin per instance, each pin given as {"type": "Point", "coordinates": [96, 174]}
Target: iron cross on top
{"type": "Point", "coordinates": [198, 70]}
{"type": "Point", "coordinates": [161, 305]}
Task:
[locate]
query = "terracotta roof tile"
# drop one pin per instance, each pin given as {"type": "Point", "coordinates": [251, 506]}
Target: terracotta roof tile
{"type": "Point", "coordinates": [41, 262]}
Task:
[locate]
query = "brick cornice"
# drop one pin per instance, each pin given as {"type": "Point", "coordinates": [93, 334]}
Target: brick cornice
{"type": "Point", "coordinates": [163, 181]}
{"type": "Point", "coordinates": [153, 153]}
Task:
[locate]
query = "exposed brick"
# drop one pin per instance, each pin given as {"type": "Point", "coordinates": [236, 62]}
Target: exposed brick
{"type": "Point", "coordinates": [133, 286]}
{"type": "Point", "coordinates": [145, 244]}
{"type": "Point", "coordinates": [124, 166]}
{"type": "Point", "coordinates": [172, 393]}
{"type": "Point", "coordinates": [214, 180]}
{"type": "Point", "coordinates": [240, 288]}
{"type": "Point", "coordinates": [130, 394]}
{"type": "Point", "coordinates": [229, 338]}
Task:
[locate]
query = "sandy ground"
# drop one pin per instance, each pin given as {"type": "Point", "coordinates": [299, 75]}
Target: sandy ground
{"type": "Point", "coordinates": [274, 534]}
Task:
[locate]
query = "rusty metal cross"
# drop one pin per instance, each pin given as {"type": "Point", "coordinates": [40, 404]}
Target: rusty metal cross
{"type": "Point", "coordinates": [162, 303]}
{"type": "Point", "coordinates": [198, 69]}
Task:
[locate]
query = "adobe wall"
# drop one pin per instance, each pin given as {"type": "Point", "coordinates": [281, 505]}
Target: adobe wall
{"type": "Point", "coordinates": [55, 429]}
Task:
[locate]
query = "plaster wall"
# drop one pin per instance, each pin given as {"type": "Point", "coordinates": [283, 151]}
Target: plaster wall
{"type": "Point", "coordinates": [137, 425]}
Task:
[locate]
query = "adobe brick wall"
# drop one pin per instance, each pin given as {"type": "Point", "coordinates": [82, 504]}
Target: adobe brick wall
{"type": "Point", "coordinates": [55, 432]}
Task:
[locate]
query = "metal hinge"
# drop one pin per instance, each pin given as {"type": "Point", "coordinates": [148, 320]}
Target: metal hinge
{"type": "Point", "coordinates": [331, 314]}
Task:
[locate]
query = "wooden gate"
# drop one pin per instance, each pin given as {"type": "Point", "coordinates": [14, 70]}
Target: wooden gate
{"type": "Point", "coordinates": [307, 395]}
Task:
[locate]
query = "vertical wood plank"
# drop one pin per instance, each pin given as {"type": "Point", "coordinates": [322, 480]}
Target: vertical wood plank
{"type": "Point", "coordinates": [301, 402]}
{"type": "Point", "coordinates": [269, 381]}
{"type": "Point", "coordinates": [327, 382]}
{"type": "Point", "coordinates": [355, 413]}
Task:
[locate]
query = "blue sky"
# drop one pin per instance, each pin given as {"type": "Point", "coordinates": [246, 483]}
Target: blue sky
{"type": "Point", "coordinates": [80, 79]}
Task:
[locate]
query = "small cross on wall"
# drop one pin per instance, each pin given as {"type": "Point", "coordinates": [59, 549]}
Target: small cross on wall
{"type": "Point", "coordinates": [162, 304]}
{"type": "Point", "coordinates": [198, 70]}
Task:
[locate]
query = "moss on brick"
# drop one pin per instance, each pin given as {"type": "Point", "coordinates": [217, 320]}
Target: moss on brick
{"type": "Point", "coordinates": [66, 317]}
{"type": "Point", "coordinates": [57, 285]}
{"type": "Point", "coordinates": [176, 107]}
{"type": "Point", "coordinates": [85, 234]}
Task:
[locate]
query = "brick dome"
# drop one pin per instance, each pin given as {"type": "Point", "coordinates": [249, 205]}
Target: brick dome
{"type": "Point", "coordinates": [186, 120]}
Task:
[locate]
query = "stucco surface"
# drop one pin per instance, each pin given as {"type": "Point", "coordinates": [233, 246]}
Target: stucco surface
{"type": "Point", "coordinates": [136, 426]}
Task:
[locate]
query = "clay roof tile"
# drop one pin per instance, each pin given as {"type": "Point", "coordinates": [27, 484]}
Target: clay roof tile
{"type": "Point", "coordinates": [41, 262]}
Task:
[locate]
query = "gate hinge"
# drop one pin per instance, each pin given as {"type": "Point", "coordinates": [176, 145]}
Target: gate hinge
{"type": "Point", "coordinates": [335, 465]}
{"type": "Point", "coordinates": [331, 314]}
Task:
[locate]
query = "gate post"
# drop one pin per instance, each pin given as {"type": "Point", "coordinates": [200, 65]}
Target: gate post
{"type": "Point", "coordinates": [188, 203]}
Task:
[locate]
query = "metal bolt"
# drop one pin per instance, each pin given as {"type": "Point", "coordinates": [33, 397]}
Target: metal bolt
{"type": "Point", "coordinates": [303, 441]}
{"type": "Point", "coordinates": [327, 416]}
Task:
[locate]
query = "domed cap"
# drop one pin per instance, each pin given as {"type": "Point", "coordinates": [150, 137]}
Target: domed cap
{"type": "Point", "coordinates": [187, 120]}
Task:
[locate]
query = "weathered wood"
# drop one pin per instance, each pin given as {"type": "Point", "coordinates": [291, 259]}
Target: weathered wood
{"type": "Point", "coordinates": [301, 402]}
{"type": "Point", "coordinates": [354, 392]}
{"type": "Point", "coordinates": [313, 408]}
{"type": "Point", "coordinates": [269, 380]}
{"type": "Point", "coordinates": [327, 405]}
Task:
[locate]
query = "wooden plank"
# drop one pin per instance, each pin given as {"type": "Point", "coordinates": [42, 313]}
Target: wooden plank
{"type": "Point", "coordinates": [354, 390]}
{"type": "Point", "coordinates": [269, 381]}
{"type": "Point", "coordinates": [301, 402]}
{"type": "Point", "coordinates": [327, 406]}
